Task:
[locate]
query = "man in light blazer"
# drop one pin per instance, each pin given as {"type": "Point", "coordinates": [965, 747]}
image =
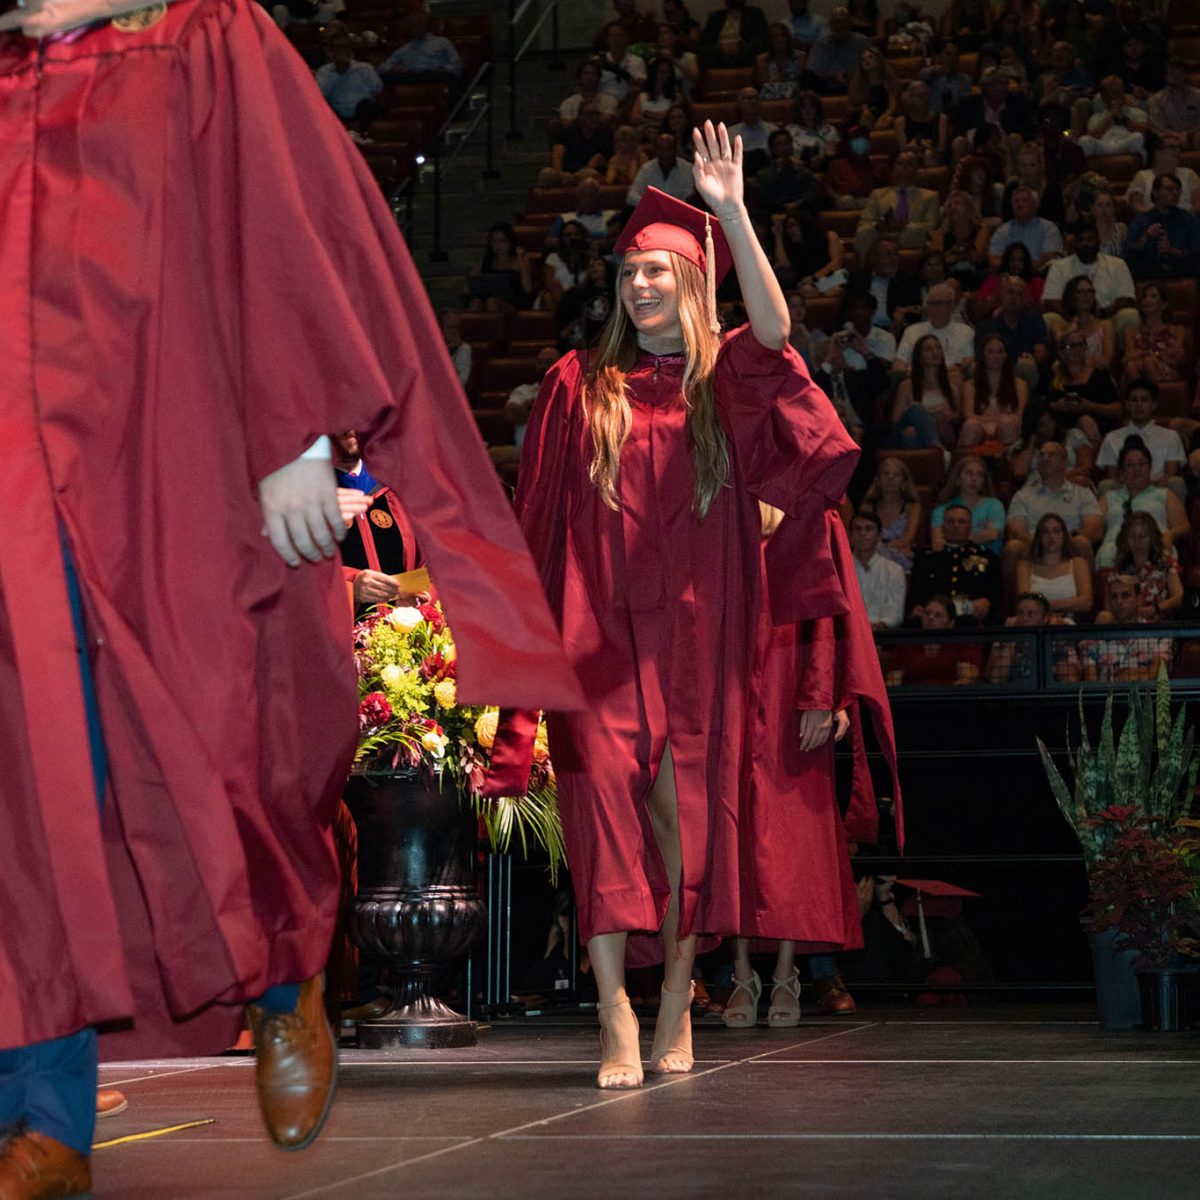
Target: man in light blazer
{"type": "Point", "coordinates": [908, 211]}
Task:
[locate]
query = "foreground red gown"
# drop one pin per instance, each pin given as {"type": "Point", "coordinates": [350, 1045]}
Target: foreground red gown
{"type": "Point", "coordinates": [198, 277]}
{"type": "Point", "coordinates": [658, 612]}
{"type": "Point", "coordinates": [796, 881]}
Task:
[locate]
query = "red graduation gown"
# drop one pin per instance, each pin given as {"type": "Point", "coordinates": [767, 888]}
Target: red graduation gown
{"type": "Point", "coordinates": [796, 881]}
{"type": "Point", "coordinates": [658, 612]}
{"type": "Point", "coordinates": [198, 278]}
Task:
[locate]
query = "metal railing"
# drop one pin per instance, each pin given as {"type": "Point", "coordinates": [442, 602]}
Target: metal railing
{"type": "Point", "coordinates": [516, 13]}
{"type": "Point", "coordinates": [1048, 659]}
{"type": "Point", "coordinates": [443, 161]}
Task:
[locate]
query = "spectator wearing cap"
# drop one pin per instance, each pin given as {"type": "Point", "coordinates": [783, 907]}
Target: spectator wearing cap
{"type": "Point", "coordinates": [1013, 661]}
{"type": "Point", "coordinates": [1164, 240]}
{"type": "Point", "coordinates": [1176, 108]}
{"type": "Point", "coordinates": [903, 208]}
{"type": "Point", "coordinates": [834, 55]}
{"type": "Point", "coordinates": [1109, 275]}
{"type": "Point", "coordinates": [1040, 237]}
{"type": "Point", "coordinates": [1135, 657]}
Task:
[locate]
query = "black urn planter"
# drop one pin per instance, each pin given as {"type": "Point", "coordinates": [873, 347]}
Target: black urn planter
{"type": "Point", "coordinates": [1170, 998]}
{"type": "Point", "coordinates": [416, 906]}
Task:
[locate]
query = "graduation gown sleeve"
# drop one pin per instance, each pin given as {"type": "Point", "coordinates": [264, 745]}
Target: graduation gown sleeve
{"type": "Point", "coordinates": [324, 335]}
{"type": "Point", "coordinates": [794, 454]}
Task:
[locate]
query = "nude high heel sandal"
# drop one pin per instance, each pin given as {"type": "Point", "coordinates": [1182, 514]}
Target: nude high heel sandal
{"type": "Point", "coordinates": [671, 1053]}
{"type": "Point", "coordinates": [616, 1073]}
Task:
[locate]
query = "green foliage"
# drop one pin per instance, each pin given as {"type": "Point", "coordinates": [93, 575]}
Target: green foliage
{"type": "Point", "coordinates": [1149, 768]}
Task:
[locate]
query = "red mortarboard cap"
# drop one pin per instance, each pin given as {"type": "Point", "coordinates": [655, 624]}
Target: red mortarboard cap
{"type": "Point", "coordinates": [938, 899]}
{"type": "Point", "coordinates": [935, 887]}
{"type": "Point", "coordinates": [660, 222]}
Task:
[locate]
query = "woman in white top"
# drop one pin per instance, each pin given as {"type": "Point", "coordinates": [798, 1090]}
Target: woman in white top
{"type": "Point", "coordinates": [815, 139]}
{"type": "Point", "coordinates": [994, 401]}
{"type": "Point", "coordinates": [1138, 494]}
{"type": "Point", "coordinates": [1055, 570]}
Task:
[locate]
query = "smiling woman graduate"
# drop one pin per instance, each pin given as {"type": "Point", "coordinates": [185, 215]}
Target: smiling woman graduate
{"type": "Point", "coordinates": [643, 465]}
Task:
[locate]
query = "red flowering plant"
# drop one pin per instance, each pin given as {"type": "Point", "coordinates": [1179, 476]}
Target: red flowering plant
{"type": "Point", "coordinates": [409, 717]}
{"type": "Point", "coordinates": [1144, 886]}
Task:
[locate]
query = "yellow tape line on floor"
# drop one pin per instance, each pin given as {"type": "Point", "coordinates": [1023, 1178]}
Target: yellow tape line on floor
{"type": "Point", "coordinates": [152, 1133]}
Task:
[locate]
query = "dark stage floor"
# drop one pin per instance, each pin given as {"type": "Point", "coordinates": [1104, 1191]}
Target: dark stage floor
{"type": "Point", "coordinates": [1019, 1103]}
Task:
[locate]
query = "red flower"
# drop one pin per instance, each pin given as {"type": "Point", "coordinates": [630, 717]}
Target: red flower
{"type": "Point", "coordinates": [433, 615]}
{"type": "Point", "coordinates": [374, 711]}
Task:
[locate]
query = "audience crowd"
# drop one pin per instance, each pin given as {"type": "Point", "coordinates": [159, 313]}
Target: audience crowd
{"type": "Point", "coordinates": [985, 224]}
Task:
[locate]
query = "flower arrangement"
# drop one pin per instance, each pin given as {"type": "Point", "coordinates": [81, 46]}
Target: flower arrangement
{"type": "Point", "coordinates": [1130, 808]}
{"type": "Point", "coordinates": [1144, 887]}
{"type": "Point", "coordinates": [409, 717]}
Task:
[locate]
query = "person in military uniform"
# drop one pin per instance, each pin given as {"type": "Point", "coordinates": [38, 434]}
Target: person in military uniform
{"type": "Point", "coordinates": [967, 572]}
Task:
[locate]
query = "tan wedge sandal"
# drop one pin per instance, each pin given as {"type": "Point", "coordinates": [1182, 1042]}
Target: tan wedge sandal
{"type": "Point", "coordinates": [741, 1009]}
{"type": "Point", "coordinates": [785, 1015]}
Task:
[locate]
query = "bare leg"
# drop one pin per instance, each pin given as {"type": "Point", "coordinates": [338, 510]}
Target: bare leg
{"type": "Point", "coordinates": [672, 1049]}
{"type": "Point", "coordinates": [621, 1058]}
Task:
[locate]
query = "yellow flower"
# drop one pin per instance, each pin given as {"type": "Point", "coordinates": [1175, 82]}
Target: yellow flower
{"type": "Point", "coordinates": [450, 654]}
{"type": "Point", "coordinates": [392, 676]}
{"type": "Point", "coordinates": [445, 693]}
{"type": "Point", "coordinates": [485, 729]}
{"type": "Point", "coordinates": [434, 742]}
{"type": "Point", "coordinates": [405, 619]}
{"type": "Point", "coordinates": [540, 752]}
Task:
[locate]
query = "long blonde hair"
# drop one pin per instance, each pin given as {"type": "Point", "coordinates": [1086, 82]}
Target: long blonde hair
{"type": "Point", "coordinates": [606, 396]}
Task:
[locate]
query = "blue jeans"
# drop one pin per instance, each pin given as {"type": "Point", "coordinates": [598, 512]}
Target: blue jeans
{"type": "Point", "coordinates": [52, 1085]}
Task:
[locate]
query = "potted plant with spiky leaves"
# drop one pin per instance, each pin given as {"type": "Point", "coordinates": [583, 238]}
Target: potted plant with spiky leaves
{"type": "Point", "coordinates": [1131, 791]}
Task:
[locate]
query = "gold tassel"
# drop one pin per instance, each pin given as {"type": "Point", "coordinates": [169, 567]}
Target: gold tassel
{"type": "Point", "coordinates": [710, 274]}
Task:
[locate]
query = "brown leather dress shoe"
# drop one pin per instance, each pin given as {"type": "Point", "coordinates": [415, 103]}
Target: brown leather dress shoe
{"type": "Point", "coordinates": [36, 1167]}
{"type": "Point", "coordinates": [109, 1102]}
{"type": "Point", "coordinates": [832, 997]}
{"type": "Point", "coordinates": [297, 1066]}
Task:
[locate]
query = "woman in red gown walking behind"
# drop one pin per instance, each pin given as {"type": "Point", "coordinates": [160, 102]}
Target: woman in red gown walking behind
{"type": "Point", "coordinates": [643, 464]}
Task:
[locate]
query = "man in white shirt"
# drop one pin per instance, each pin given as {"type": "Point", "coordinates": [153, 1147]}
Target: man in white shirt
{"type": "Point", "coordinates": [1166, 449]}
{"type": "Point", "coordinates": [864, 339]}
{"type": "Point", "coordinates": [754, 132]}
{"type": "Point", "coordinates": [958, 339]}
{"type": "Point", "coordinates": [1052, 492]}
{"type": "Point", "coordinates": [1110, 277]}
{"type": "Point", "coordinates": [621, 72]}
{"type": "Point", "coordinates": [1042, 238]}
{"type": "Point", "coordinates": [881, 581]}
{"type": "Point", "coordinates": [665, 171]}
{"type": "Point", "coordinates": [1163, 152]}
